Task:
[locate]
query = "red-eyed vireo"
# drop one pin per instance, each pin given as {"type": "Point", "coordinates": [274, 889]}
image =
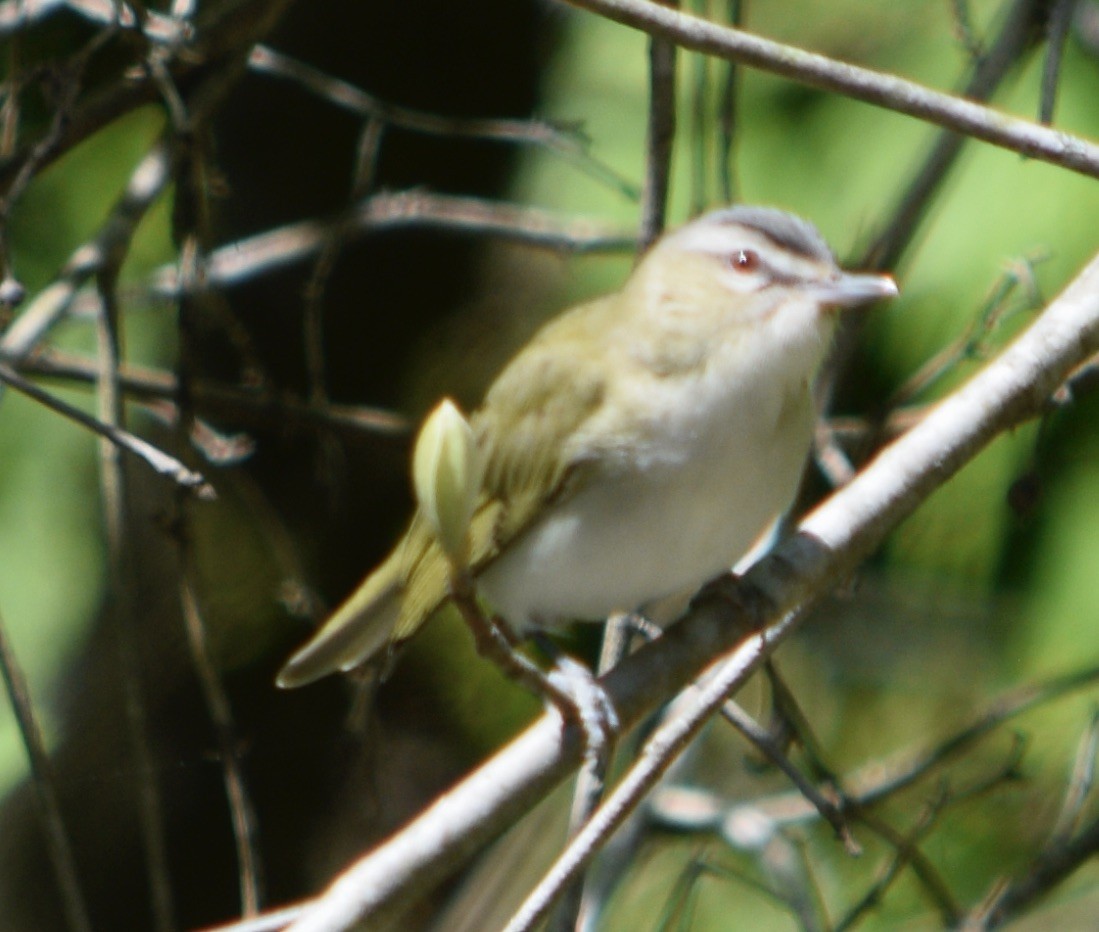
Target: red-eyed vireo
{"type": "Point", "coordinates": [637, 446]}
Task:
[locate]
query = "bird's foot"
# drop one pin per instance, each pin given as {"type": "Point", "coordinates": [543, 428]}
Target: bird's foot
{"type": "Point", "coordinates": [581, 698]}
{"type": "Point", "coordinates": [569, 687]}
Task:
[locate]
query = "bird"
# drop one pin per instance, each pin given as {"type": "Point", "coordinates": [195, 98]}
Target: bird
{"type": "Point", "coordinates": [635, 448]}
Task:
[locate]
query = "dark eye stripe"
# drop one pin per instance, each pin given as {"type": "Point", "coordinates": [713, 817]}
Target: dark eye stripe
{"type": "Point", "coordinates": [747, 261]}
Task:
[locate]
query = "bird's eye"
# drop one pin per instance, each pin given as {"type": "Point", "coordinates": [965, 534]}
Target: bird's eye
{"type": "Point", "coordinates": [745, 260]}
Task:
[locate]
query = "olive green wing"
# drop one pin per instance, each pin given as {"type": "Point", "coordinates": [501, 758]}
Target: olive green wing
{"type": "Point", "coordinates": [539, 401]}
{"type": "Point", "coordinates": [523, 429]}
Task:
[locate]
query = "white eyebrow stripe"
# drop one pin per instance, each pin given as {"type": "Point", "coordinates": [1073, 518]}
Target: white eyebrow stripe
{"type": "Point", "coordinates": [720, 240]}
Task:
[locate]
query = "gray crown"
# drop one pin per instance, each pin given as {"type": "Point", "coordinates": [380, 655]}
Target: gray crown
{"type": "Point", "coordinates": [784, 229]}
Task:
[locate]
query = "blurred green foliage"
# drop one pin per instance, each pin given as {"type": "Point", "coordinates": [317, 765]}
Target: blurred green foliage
{"type": "Point", "coordinates": [967, 598]}
{"type": "Point", "coordinates": [1027, 604]}
{"type": "Point", "coordinates": [51, 571]}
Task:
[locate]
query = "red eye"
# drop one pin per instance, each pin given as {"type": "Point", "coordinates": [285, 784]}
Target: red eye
{"type": "Point", "coordinates": [745, 260]}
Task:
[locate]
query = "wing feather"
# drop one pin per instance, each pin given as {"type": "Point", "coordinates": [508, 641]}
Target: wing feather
{"type": "Point", "coordinates": [538, 402]}
{"type": "Point", "coordinates": [523, 429]}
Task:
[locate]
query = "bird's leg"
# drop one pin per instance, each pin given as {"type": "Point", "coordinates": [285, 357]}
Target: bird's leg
{"type": "Point", "coordinates": [569, 686]}
{"type": "Point", "coordinates": [589, 705]}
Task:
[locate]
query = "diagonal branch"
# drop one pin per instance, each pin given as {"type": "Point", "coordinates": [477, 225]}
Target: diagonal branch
{"type": "Point", "coordinates": [58, 842]}
{"type": "Point", "coordinates": [872, 87]}
{"type": "Point", "coordinates": [828, 546]}
{"type": "Point", "coordinates": [160, 461]}
{"type": "Point", "coordinates": [566, 141]}
{"type": "Point", "coordinates": [256, 255]}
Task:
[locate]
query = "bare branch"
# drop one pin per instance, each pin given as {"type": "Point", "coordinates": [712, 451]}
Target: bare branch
{"type": "Point", "coordinates": [727, 116]}
{"type": "Point", "coordinates": [43, 150]}
{"type": "Point", "coordinates": [906, 853]}
{"type": "Point", "coordinates": [159, 460]}
{"type": "Point", "coordinates": [1020, 31]}
{"type": "Point", "coordinates": [242, 813]}
{"type": "Point", "coordinates": [829, 543]}
{"type": "Point", "coordinates": [763, 742]}
{"type": "Point", "coordinates": [660, 138]}
{"type": "Point", "coordinates": [1060, 19]}
{"type": "Point", "coordinates": [250, 408]}
{"type": "Point", "coordinates": [148, 180]}
{"type": "Point", "coordinates": [1015, 290]}
{"type": "Point", "coordinates": [863, 84]}
{"type": "Point", "coordinates": [121, 576]}
{"type": "Point", "coordinates": [17, 15]}
{"type": "Point", "coordinates": [248, 258]}
{"type": "Point", "coordinates": [566, 141]}
{"type": "Point", "coordinates": [228, 31]}
{"type": "Point", "coordinates": [880, 779]}
{"type": "Point", "coordinates": [1081, 782]}
{"type": "Point", "coordinates": [1051, 869]}
{"type": "Point", "coordinates": [45, 788]}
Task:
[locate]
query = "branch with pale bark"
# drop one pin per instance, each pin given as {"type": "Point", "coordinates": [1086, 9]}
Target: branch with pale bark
{"type": "Point", "coordinates": [827, 546]}
{"type": "Point", "coordinates": [772, 597]}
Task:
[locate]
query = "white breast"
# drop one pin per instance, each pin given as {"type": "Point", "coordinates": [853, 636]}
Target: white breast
{"type": "Point", "coordinates": [719, 458]}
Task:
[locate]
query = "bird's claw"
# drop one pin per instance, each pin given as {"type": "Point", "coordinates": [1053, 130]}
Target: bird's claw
{"type": "Point", "coordinates": [581, 698]}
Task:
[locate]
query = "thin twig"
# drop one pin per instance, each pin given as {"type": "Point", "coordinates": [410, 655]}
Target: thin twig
{"type": "Point", "coordinates": [788, 710]}
{"type": "Point", "coordinates": [963, 28]}
{"type": "Point", "coordinates": [160, 461]}
{"type": "Point", "coordinates": [50, 144]}
{"type": "Point", "coordinates": [121, 580]}
{"type": "Point", "coordinates": [229, 31]}
{"type": "Point", "coordinates": [761, 740]}
{"type": "Point", "coordinates": [44, 150]}
{"type": "Point", "coordinates": [660, 138]}
{"type": "Point", "coordinates": [883, 90]}
{"type": "Point", "coordinates": [1001, 303]}
{"type": "Point", "coordinates": [18, 15]}
{"type": "Point", "coordinates": [878, 780]}
{"type": "Point", "coordinates": [10, 118]}
{"type": "Point", "coordinates": [909, 767]}
{"type": "Point", "coordinates": [831, 458]}
{"type": "Point", "coordinates": [727, 115]}
{"type": "Point", "coordinates": [742, 825]}
{"type": "Point", "coordinates": [251, 408]}
{"type": "Point", "coordinates": [148, 179]}
{"type": "Point", "coordinates": [1020, 31]}
{"type": "Point", "coordinates": [248, 258]}
{"type": "Point", "coordinates": [496, 642]}
{"type": "Point", "coordinates": [905, 852]}
{"type": "Point", "coordinates": [194, 228]}
{"type": "Point", "coordinates": [1060, 20]}
{"type": "Point", "coordinates": [659, 751]}
{"type": "Point", "coordinates": [362, 183]}
{"type": "Point", "coordinates": [242, 813]}
{"type": "Point", "coordinates": [568, 142]}
{"type": "Point", "coordinates": [1080, 784]}
{"type": "Point", "coordinates": [1049, 869]}
{"type": "Point", "coordinates": [45, 787]}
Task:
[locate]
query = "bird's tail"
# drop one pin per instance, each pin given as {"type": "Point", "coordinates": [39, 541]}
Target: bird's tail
{"type": "Point", "coordinates": [360, 628]}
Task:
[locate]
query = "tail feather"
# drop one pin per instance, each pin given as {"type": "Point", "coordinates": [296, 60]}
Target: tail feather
{"type": "Point", "coordinates": [360, 628]}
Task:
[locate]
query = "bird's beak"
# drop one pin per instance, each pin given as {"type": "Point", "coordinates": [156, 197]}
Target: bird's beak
{"type": "Point", "coordinates": [848, 289]}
